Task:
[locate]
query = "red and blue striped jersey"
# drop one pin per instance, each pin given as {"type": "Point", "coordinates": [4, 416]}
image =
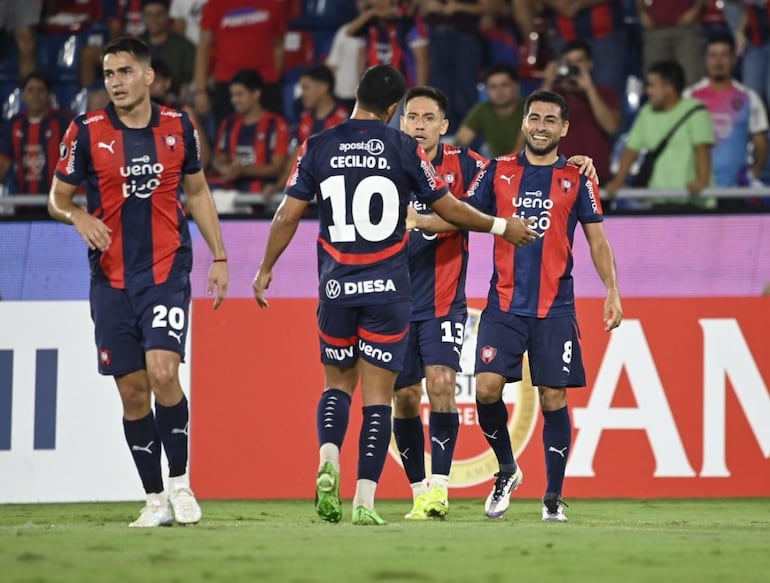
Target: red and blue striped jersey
{"type": "Point", "coordinates": [253, 144]}
{"type": "Point", "coordinates": [133, 184]}
{"type": "Point", "coordinates": [363, 173]}
{"type": "Point", "coordinates": [32, 147]}
{"type": "Point", "coordinates": [438, 262]}
{"type": "Point", "coordinates": [536, 279]}
{"type": "Point", "coordinates": [590, 23]}
{"type": "Point", "coordinates": [757, 22]}
{"type": "Point", "coordinates": [309, 124]}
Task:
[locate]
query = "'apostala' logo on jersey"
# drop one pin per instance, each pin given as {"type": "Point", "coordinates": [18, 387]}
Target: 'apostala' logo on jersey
{"type": "Point", "coordinates": [143, 177]}
{"type": "Point", "coordinates": [374, 146]}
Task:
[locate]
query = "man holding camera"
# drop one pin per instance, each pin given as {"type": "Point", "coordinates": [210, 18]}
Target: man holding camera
{"type": "Point", "coordinates": [594, 110]}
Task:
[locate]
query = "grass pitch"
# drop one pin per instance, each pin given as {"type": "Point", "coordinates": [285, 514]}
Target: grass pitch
{"type": "Point", "coordinates": [283, 541]}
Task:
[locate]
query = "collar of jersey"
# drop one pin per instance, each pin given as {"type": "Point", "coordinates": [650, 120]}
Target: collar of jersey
{"type": "Point", "coordinates": [560, 163]}
{"type": "Point", "coordinates": [119, 125]}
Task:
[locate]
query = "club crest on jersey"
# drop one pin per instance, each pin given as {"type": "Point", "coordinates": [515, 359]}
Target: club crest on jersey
{"type": "Point", "coordinates": [63, 150]}
{"type": "Point", "coordinates": [105, 357]}
{"type": "Point", "coordinates": [488, 354]}
{"type": "Point", "coordinates": [170, 141]}
{"type": "Point", "coordinates": [449, 178]}
{"type": "Point", "coordinates": [565, 185]}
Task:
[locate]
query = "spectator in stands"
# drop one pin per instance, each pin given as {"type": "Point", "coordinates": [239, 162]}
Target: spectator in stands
{"type": "Point", "coordinates": [498, 120]}
{"type": "Point", "coordinates": [455, 52]}
{"type": "Point", "coordinates": [321, 111]}
{"type": "Point", "coordinates": [19, 17]}
{"type": "Point", "coordinates": [343, 59]}
{"type": "Point", "coordinates": [600, 24]}
{"type": "Point", "coordinates": [175, 50]}
{"type": "Point", "coordinates": [252, 144]}
{"type": "Point", "coordinates": [594, 109]}
{"type": "Point", "coordinates": [29, 148]}
{"type": "Point", "coordinates": [753, 41]}
{"type": "Point", "coordinates": [685, 163]}
{"type": "Point", "coordinates": [245, 34]}
{"type": "Point", "coordinates": [393, 35]}
{"type": "Point", "coordinates": [738, 115]}
{"type": "Point", "coordinates": [160, 92]}
{"type": "Point", "coordinates": [186, 16]}
{"type": "Point", "coordinates": [672, 30]}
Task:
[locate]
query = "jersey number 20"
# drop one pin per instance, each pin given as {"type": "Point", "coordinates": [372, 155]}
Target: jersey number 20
{"type": "Point", "coordinates": [343, 231]}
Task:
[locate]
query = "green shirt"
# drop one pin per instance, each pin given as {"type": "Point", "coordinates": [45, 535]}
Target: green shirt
{"type": "Point", "coordinates": [675, 167]}
{"type": "Point", "coordinates": [500, 132]}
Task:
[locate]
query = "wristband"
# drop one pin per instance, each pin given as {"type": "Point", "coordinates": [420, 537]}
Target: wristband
{"type": "Point", "coordinates": [498, 226]}
{"type": "Point", "coordinates": [224, 260]}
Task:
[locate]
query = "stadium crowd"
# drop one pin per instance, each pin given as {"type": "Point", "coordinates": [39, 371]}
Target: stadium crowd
{"type": "Point", "coordinates": [259, 76]}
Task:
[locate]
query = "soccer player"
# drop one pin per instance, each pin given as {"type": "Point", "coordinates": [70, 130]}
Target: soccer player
{"type": "Point", "coordinates": [437, 265]}
{"type": "Point", "coordinates": [133, 157]}
{"type": "Point", "coordinates": [363, 173]}
{"type": "Point", "coordinates": [531, 304]}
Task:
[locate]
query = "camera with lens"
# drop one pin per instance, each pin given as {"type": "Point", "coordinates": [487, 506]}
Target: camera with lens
{"type": "Point", "coordinates": [566, 71]}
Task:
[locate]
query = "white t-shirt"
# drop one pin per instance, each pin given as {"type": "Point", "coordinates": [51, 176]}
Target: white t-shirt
{"type": "Point", "coordinates": [343, 58]}
{"type": "Point", "coordinates": [190, 11]}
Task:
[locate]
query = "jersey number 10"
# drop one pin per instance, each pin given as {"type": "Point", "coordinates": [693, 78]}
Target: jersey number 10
{"type": "Point", "coordinates": [342, 231]}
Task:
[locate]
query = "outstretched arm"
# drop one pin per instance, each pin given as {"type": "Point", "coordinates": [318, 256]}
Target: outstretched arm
{"type": "Point", "coordinates": [282, 231]}
{"type": "Point", "coordinates": [604, 262]}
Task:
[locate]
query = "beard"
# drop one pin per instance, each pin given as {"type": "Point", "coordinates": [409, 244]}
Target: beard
{"type": "Point", "coordinates": [541, 150]}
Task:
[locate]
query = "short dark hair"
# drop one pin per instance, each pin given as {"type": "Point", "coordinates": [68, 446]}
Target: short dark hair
{"type": "Point", "coordinates": [380, 87]}
{"type": "Point", "coordinates": [320, 73]}
{"type": "Point", "coordinates": [429, 92]}
{"type": "Point", "coordinates": [721, 38]}
{"type": "Point", "coordinates": [131, 45]}
{"type": "Point", "coordinates": [501, 68]}
{"type": "Point", "coordinates": [166, 3]}
{"type": "Point", "coordinates": [671, 72]}
{"type": "Point", "coordinates": [36, 76]}
{"type": "Point", "coordinates": [548, 97]}
{"type": "Point", "coordinates": [249, 78]}
{"type": "Point", "coordinates": [578, 44]}
{"type": "Point", "coordinates": [161, 68]}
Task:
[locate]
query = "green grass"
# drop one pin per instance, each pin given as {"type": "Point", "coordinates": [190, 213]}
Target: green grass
{"type": "Point", "coordinates": [265, 541]}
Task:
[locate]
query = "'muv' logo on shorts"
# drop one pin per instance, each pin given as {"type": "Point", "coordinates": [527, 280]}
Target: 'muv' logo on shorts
{"type": "Point", "coordinates": [46, 373]}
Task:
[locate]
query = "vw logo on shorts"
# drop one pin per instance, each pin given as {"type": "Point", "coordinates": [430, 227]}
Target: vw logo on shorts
{"type": "Point", "coordinates": [333, 289]}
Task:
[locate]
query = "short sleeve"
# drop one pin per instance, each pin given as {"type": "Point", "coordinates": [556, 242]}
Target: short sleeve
{"type": "Point", "coordinates": [636, 139]}
{"type": "Point", "coordinates": [470, 165]}
{"type": "Point", "coordinates": [192, 146]}
{"type": "Point", "coordinates": [427, 186]}
{"type": "Point", "coordinates": [282, 138]}
{"type": "Point", "coordinates": [701, 128]}
{"type": "Point", "coordinates": [74, 156]}
{"type": "Point", "coordinates": [301, 184]}
{"type": "Point", "coordinates": [481, 194]}
{"type": "Point", "coordinates": [589, 206]}
{"type": "Point", "coordinates": [757, 114]}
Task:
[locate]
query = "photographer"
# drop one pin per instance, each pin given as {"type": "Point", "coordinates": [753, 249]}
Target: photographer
{"type": "Point", "coordinates": [594, 110]}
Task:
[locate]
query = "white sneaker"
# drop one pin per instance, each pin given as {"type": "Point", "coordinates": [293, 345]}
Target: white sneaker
{"type": "Point", "coordinates": [182, 499]}
{"type": "Point", "coordinates": [553, 509]}
{"type": "Point", "coordinates": [500, 498]}
{"type": "Point", "coordinates": [156, 512]}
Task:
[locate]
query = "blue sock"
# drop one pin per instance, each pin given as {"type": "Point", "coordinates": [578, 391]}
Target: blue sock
{"type": "Point", "coordinates": [443, 437]}
{"type": "Point", "coordinates": [557, 437]}
{"type": "Point", "coordinates": [410, 440]}
{"type": "Point", "coordinates": [493, 419]}
{"type": "Point", "coordinates": [332, 416]}
{"type": "Point", "coordinates": [373, 442]}
{"type": "Point", "coordinates": [144, 443]}
{"type": "Point", "coordinates": [173, 424]}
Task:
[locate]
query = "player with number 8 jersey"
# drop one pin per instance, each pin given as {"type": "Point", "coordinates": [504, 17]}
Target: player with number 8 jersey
{"type": "Point", "coordinates": [362, 174]}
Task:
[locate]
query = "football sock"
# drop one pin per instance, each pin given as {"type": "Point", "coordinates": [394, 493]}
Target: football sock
{"type": "Point", "coordinates": [410, 440]}
{"type": "Point", "coordinates": [557, 437]}
{"type": "Point", "coordinates": [493, 419]}
{"type": "Point", "coordinates": [364, 495]}
{"type": "Point", "coordinates": [443, 437]}
{"type": "Point", "coordinates": [373, 442]}
{"type": "Point", "coordinates": [332, 417]}
{"type": "Point", "coordinates": [439, 480]}
{"type": "Point", "coordinates": [144, 443]}
{"type": "Point", "coordinates": [173, 424]}
{"type": "Point", "coordinates": [418, 488]}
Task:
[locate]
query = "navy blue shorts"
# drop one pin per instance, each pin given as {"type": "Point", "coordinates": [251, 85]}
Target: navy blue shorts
{"type": "Point", "coordinates": [378, 334]}
{"type": "Point", "coordinates": [552, 344]}
{"type": "Point", "coordinates": [128, 323]}
{"type": "Point", "coordinates": [432, 342]}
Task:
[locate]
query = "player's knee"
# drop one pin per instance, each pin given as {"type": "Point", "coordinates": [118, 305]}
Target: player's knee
{"type": "Point", "coordinates": [552, 399]}
{"type": "Point", "coordinates": [163, 378]}
{"type": "Point", "coordinates": [407, 401]}
{"type": "Point", "coordinates": [441, 386]}
{"type": "Point", "coordinates": [136, 401]}
{"type": "Point", "coordinates": [489, 387]}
